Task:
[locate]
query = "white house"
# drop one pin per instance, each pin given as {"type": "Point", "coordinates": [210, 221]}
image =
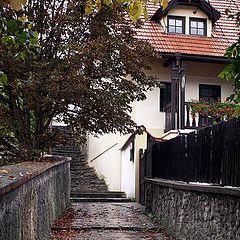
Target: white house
{"type": "Point", "coordinates": [190, 38]}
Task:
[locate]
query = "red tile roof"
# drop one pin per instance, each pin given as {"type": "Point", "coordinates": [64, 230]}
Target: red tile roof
{"type": "Point", "coordinates": [224, 33]}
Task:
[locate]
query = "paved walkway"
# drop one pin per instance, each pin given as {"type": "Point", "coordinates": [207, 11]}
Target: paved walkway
{"type": "Point", "coordinates": [105, 221]}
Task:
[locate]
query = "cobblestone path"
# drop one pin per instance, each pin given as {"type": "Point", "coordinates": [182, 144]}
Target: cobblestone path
{"type": "Point", "coordinates": [106, 221]}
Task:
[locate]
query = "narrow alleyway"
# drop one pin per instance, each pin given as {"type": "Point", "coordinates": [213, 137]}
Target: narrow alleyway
{"type": "Point", "coordinates": [97, 213]}
{"type": "Point", "coordinates": [106, 221]}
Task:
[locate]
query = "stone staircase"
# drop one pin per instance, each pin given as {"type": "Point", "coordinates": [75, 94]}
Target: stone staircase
{"type": "Point", "coordinates": [85, 183]}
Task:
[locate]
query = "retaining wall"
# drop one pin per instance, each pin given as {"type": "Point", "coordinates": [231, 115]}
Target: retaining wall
{"type": "Point", "coordinates": [32, 196]}
{"type": "Point", "coordinates": [191, 211]}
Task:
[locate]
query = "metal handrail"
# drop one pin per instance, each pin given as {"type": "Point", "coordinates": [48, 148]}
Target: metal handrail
{"type": "Point", "coordinates": [103, 152]}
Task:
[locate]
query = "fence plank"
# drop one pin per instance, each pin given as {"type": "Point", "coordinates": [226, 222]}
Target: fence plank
{"type": "Point", "coordinates": [211, 154]}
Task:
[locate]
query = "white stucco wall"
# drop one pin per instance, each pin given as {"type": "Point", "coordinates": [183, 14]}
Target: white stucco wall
{"type": "Point", "coordinates": [104, 156]}
{"type": "Point", "coordinates": [204, 73]}
{"type": "Point", "coordinates": [128, 173]}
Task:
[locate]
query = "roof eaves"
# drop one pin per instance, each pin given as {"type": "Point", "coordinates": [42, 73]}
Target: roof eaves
{"type": "Point", "coordinates": [194, 57]}
{"type": "Point", "coordinates": [203, 5]}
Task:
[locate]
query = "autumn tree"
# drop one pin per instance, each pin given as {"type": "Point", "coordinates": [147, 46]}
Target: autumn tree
{"type": "Point", "coordinates": [90, 68]}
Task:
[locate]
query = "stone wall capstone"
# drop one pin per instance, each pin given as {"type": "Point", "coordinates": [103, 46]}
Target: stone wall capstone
{"type": "Point", "coordinates": [191, 212]}
{"type": "Point", "coordinates": [32, 196]}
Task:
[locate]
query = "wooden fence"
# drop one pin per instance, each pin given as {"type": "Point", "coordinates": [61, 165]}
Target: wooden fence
{"type": "Point", "coordinates": [210, 155]}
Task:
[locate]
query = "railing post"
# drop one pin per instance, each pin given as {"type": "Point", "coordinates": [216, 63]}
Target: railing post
{"type": "Point", "coordinates": [200, 120]}
{"type": "Point", "coordinates": [194, 122]}
{"type": "Point", "coordinates": [167, 111]}
{"type": "Point", "coordinates": [173, 95]}
{"type": "Point", "coordinates": [182, 96]}
{"type": "Point", "coordinates": [188, 114]}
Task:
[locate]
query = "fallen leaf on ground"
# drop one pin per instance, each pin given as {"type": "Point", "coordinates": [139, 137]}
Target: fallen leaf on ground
{"type": "Point", "coordinates": [66, 219]}
{"type": "Point", "coordinates": [11, 177]}
{"type": "Point", "coordinates": [3, 171]}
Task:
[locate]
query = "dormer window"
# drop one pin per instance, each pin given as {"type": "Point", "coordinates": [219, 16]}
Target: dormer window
{"type": "Point", "coordinates": [176, 24]}
{"type": "Point", "coordinates": [195, 17]}
{"type": "Point", "coordinates": [198, 27]}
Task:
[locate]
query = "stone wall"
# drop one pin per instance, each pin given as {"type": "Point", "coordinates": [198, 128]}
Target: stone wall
{"type": "Point", "coordinates": [194, 212]}
{"type": "Point", "coordinates": [32, 196]}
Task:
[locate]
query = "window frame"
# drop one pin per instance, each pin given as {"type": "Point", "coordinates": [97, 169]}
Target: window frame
{"type": "Point", "coordinates": [132, 149]}
{"type": "Point", "coordinates": [183, 19]}
{"type": "Point", "coordinates": [210, 86]}
{"type": "Point", "coordinates": [204, 21]}
{"type": "Point", "coordinates": [162, 106]}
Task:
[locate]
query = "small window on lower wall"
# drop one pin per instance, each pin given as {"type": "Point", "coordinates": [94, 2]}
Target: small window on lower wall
{"type": "Point", "coordinates": [165, 95]}
{"type": "Point", "coordinates": [132, 146]}
{"type": "Point", "coordinates": [209, 93]}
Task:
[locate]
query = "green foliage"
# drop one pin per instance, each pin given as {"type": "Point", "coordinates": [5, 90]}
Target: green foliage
{"type": "Point", "coordinates": [17, 36]}
{"type": "Point", "coordinates": [3, 79]}
{"type": "Point", "coordinates": [232, 71]}
{"type": "Point", "coordinates": [135, 8]}
{"type": "Point", "coordinates": [18, 43]}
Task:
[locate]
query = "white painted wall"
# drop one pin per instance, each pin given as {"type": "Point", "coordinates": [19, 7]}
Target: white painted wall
{"type": "Point", "coordinates": [104, 156]}
{"type": "Point", "coordinates": [147, 112]}
{"type": "Point", "coordinates": [204, 73]}
{"type": "Point", "coordinates": [128, 173]}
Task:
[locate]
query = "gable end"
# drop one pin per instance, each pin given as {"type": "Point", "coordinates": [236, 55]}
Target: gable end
{"type": "Point", "coordinates": [204, 6]}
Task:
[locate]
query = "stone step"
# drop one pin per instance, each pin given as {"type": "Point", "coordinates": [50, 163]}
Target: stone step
{"type": "Point", "coordinates": [94, 188]}
{"type": "Point", "coordinates": [80, 157]}
{"type": "Point", "coordinates": [78, 164]}
{"type": "Point", "coordinates": [84, 182]}
{"type": "Point", "coordinates": [76, 200]}
{"type": "Point", "coordinates": [81, 168]}
{"type": "Point", "coordinates": [67, 149]}
{"type": "Point", "coordinates": [64, 150]}
{"type": "Point", "coordinates": [83, 177]}
{"type": "Point", "coordinates": [81, 182]}
{"type": "Point", "coordinates": [87, 183]}
{"type": "Point", "coordinates": [88, 187]}
{"type": "Point", "coordinates": [78, 161]}
{"type": "Point", "coordinates": [65, 154]}
{"type": "Point", "coordinates": [75, 173]}
{"type": "Point", "coordinates": [107, 194]}
{"type": "Point", "coordinates": [87, 175]}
